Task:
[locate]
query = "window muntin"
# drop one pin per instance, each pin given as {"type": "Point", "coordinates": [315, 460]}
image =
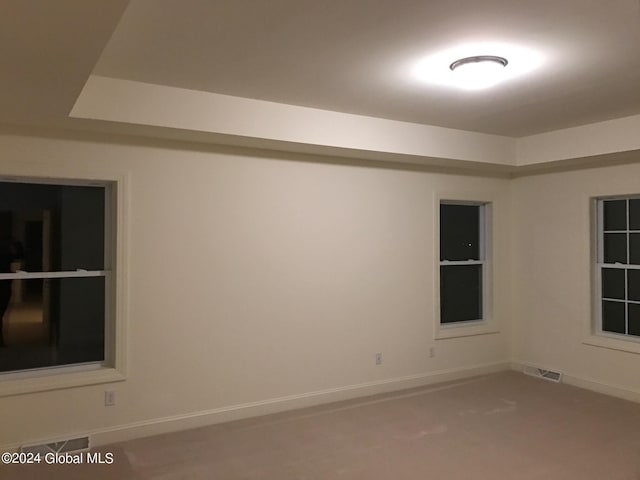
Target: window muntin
{"type": "Point", "coordinates": [61, 283]}
{"type": "Point", "coordinates": [463, 266]}
{"type": "Point", "coordinates": [618, 267]}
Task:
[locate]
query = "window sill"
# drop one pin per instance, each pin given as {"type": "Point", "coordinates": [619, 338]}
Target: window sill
{"type": "Point", "coordinates": [45, 381]}
{"type": "Point", "coordinates": [622, 345]}
{"type": "Point", "coordinates": [444, 332]}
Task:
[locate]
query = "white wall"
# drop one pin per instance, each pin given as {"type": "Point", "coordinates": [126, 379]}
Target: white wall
{"type": "Point", "coordinates": [552, 279]}
{"type": "Point", "coordinates": [296, 273]}
{"type": "Point", "coordinates": [252, 279]}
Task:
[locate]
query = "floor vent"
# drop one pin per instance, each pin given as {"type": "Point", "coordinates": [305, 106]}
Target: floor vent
{"type": "Point", "coordinates": [542, 373]}
{"type": "Point", "coordinates": [63, 446]}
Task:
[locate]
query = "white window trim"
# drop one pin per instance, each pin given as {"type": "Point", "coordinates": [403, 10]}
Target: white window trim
{"type": "Point", "coordinates": [486, 325]}
{"type": "Point", "coordinates": [114, 368]}
{"type": "Point", "coordinates": [595, 335]}
{"type": "Point", "coordinates": [80, 273]}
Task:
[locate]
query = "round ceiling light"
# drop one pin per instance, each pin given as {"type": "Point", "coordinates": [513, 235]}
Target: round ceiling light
{"type": "Point", "coordinates": [477, 72]}
{"type": "Point", "coordinates": [482, 59]}
{"type": "Point", "coordinates": [474, 70]}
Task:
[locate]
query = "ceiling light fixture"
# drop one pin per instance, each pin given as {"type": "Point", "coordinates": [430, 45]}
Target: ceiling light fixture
{"type": "Point", "coordinates": [474, 69]}
{"type": "Point", "coordinates": [492, 60]}
{"type": "Point", "coordinates": [480, 71]}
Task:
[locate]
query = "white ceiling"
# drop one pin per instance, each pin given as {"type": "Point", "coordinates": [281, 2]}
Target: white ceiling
{"type": "Point", "coordinates": [48, 50]}
{"type": "Point", "coordinates": [353, 56]}
{"type": "Point", "coordinates": [356, 56]}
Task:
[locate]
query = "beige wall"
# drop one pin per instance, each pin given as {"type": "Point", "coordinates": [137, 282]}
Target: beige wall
{"type": "Point", "coordinates": [252, 279]}
{"type": "Point", "coordinates": [552, 279]}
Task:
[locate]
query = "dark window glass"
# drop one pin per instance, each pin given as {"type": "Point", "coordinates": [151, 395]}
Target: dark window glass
{"type": "Point", "coordinates": [459, 232]}
{"type": "Point", "coordinates": [634, 248]}
{"type": "Point", "coordinates": [460, 293]}
{"type": "Point", "coordinates": [613, 283]}
{"type": "Point", "coordinates": [633, 285]}
{"type": "Point", "coordinates": [64, 326]}
{"type": "Point", "coordinates": [615, 248]}
{"type": "Point", "coordinates": [634, 319]}
{"type": "Point", "coordinates": [634, 214]}
{"type": "Point", "coordinates": [615, 214]}
{"type": "Point", "coordinates": [613, 317]}
{"type": "Point", "coordinates": [52, 227]}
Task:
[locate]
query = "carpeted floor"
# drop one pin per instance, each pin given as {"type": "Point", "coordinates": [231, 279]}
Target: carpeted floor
{"type": "Point", "coordinates": [501, 426]}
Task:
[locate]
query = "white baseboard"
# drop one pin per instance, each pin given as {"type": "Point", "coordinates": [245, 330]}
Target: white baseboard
{"type": "Point", "coordinates": [586, 383]}
{"type": "Point", "coordinates": [254, 409]}
{"type": "Point", "coordinates": [175, 423]}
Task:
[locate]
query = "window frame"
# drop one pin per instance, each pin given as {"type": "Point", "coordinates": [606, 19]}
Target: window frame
{"type": "Point", "coordinates": [114, 366]}
{"type": "Point", "coordinates": [598, 265]}
{"type": "Point", "coordinates": [482, 261]}
{"type": "Point", "coordinates": [487, 324]}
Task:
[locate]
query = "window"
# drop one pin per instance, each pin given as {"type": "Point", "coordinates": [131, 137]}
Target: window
{"type": "Point", "coordinates": [618, 267]}
{"type": "Point", "coordinates": [463, 266]}
{"type": "Point", "coordinates": [56, 276]}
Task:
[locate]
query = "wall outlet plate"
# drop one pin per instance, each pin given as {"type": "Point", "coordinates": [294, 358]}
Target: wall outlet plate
{"type": "Point", "coordinates": [109, 398]}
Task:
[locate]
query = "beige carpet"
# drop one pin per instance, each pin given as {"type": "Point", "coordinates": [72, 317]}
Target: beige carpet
{"type": "Point", "coordinates": [502, 426]}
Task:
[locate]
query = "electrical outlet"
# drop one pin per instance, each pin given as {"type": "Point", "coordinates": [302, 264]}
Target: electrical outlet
{"type": "Point", "coordinates": [109, 398]}
{"type": "Point", "coordinates": [378, 359]}
{"type": "Point", "coordinates": [432, 352]}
